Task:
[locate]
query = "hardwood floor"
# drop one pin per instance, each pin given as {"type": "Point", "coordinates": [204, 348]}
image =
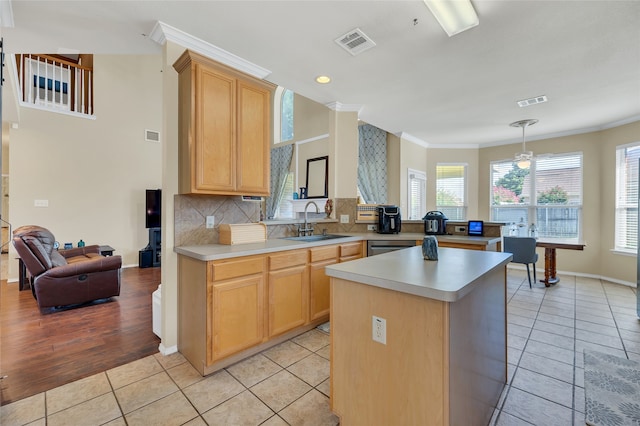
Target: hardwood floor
{"type": "Point", "coordinates": [41, 351]}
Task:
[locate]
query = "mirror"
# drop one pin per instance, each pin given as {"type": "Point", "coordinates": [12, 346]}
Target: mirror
{"type": "Point", "coordinates": [318, 177]}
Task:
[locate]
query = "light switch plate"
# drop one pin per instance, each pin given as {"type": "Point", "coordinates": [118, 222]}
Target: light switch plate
{"type": "Point", "coordinates": [344, 218]}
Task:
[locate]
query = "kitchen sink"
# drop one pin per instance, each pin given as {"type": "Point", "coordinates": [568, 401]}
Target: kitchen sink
{"type": "Point", "coordinates": [308, 238]}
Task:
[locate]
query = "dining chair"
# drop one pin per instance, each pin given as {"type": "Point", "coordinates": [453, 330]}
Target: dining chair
{"type": "Point", "coordinates": [524, 251]}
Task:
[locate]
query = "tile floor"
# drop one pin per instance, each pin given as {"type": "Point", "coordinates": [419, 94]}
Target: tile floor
{"type": "Point", "coordinates": [288, 384]}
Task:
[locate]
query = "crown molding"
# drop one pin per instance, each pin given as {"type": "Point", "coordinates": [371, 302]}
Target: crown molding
{"type": "Point", "coordinates": [340, 107]}
{"type": "Point", "coordinates": [6, 14]}
{"type": "Point", "coordinates": [410, 138]}
{"type": "Point", "coordinates": [162, 33]}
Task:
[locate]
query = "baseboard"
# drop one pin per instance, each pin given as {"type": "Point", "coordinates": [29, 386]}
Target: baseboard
{"type": "Point", "coordinates": [540, 272]}
{"type": "Point", "coordinates": [167, 350]}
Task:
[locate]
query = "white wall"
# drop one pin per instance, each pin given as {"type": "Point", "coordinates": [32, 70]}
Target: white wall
{"type": "Point", "coordinates": [92, 172]}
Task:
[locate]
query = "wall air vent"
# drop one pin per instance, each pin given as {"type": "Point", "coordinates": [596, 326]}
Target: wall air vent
{"type": "Point", "coordinates": [355, 42]}
{"type": "Point", "coordinates": [532, 101]}
{"type": "Point", "coordinates": [151, 135]}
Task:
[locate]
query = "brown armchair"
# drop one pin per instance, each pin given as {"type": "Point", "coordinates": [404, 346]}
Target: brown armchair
{"type": "Point", "coordinates": [65, 277]}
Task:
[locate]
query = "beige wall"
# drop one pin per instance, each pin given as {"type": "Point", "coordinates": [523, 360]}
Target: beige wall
{"type": "Point", "coordinates": [393, 169]}
{"type": "Point", "coordinates": [468, 156]}
{"type": "Point", "coordinates": [310, 119]}
{"type": "Point", "coordinates": [92, 172]}
{"type": "Point", "coordinates": [313, 149]}
{"type": "Point", "coordinates": [343, 155]}
{"type": "Point", "coordinates": [412, 156]}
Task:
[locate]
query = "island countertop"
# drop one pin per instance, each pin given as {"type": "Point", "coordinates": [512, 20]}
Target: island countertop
{"type": "Point", "coordinates": [448, 279]}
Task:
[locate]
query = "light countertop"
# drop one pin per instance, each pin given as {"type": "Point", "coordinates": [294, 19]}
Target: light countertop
{"type": "Point", "coordinates": [447, 279]}
{"type": "Point", "coordinates": [208, 252]}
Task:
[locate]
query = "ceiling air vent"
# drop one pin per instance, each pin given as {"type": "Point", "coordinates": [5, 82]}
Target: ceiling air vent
{"type": "Point", "coordinates": [355, 42]}
{"type": "Point", "coordinates": [532, 101]}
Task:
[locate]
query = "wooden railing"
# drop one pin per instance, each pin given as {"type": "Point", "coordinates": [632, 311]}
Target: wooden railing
{"type": "Point", "coordinates": [53, 82]}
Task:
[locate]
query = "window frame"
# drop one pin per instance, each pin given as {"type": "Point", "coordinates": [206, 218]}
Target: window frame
{"type": "Point", "coordinates": [278, 97]}
{"type": "Point", "coordinates": [465, 190]}
{"type": "Point", "coordinates": [532, 206]}
{"type": "Point", "coordinates": [421, 176]}
{"type": "Point", "coordinates": [621, 187]}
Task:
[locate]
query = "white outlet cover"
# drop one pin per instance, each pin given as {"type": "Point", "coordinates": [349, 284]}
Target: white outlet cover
{"type": "Point", "coordinates": [344, 218]}
{"type": "Point", "coordinates": [379, 329]}
{"type": "Point", "coordinates": [211, 221]}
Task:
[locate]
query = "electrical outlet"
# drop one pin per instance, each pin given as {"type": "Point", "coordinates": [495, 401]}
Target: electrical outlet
{"type": "Point", "coordinates": [211, 221]}
{"type": "Point", "coordinates": [461, 229]}
{"type": "Point", "coordinates": [344, 218]}
{"type": "Point", "coordinates": [379, 326]}
{"type": "Point", "coordinates": [371, 227]}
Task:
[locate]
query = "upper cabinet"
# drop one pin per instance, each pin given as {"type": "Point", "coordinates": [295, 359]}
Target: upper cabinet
{"type": "Point", "coordinates": [224, 129]}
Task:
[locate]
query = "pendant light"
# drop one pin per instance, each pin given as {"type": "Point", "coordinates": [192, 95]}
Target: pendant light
{"type": "Point", "coordinates": [523, 159]}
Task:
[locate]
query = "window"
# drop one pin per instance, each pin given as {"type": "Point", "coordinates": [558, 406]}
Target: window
{"type": "Point", "coordinates": [626, 232]}
{"type": "Point", "coordinates": [451, 190]}
{"type": "Point", "coordinates": [285, 208]}
{"type": "Point", "coordinates": [286, 116]}
{"type": "Point", "coordinates": [417, 194]}
{"type": "Point", "coordinates": [548, 194]}
{"type": "Point", "coordinates": [283, 115]}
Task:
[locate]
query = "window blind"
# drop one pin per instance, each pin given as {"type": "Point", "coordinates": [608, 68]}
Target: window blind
{"type": "Point", "coordinates": [548, 194]}
{"type": "Point", "coordinates": [451, 191]}
{"type": "Point", "coordinates": [626, 228]}
{"type": "Point", "coordinates": [417, 187]}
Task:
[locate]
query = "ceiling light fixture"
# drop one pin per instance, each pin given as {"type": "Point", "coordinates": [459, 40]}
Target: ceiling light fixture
{"type": "Point", "coordinates": [523, 159]}
{"type": "Point", "coordinates": [323, 79]}
{"type": "Point", "coordinates": [453, 16]}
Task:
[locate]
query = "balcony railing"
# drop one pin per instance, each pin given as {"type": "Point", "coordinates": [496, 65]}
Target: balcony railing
{"type": "Point", "coordinates": [55, 83]}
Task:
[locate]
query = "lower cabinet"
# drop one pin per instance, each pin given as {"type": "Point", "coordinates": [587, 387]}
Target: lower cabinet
{"type": "Point", "coordinates": [238, 315]}
{"type": "Point", "coordinates": [231, 308]}
{"type": "Point", "coordinates": [320, 257]}
{"type": "Point", "coordinates": [288, 291]}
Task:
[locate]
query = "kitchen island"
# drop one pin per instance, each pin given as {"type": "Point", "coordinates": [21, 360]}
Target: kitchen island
{"type": "Point", "coordinates": [442, 360]}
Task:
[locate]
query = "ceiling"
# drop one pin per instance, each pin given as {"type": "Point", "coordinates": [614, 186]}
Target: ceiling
{"type": "Point", "coordinates": [458, 91]}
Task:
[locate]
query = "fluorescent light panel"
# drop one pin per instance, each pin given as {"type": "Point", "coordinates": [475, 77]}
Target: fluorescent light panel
{"type": "Point", "coordinates": [454, 16]}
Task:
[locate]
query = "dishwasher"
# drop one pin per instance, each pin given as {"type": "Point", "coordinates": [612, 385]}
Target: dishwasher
{"type": "Point", "coordinates": [383, 246]}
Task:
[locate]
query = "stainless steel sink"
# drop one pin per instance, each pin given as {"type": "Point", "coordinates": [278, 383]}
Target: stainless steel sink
{"type": "Point", "coordinates": [309, 238]}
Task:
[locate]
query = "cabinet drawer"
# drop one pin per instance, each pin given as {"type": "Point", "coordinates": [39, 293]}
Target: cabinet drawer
{"type": "Point", "coordinates": [287, 259]}
{"type": "Point", "coordinates": [350, 249]}
{"type": "Point", "coordinates": [323, 253]}
{"type": "Point", "coordinates": [232, 268]}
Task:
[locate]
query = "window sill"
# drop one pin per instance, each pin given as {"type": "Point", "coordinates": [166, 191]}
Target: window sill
{"type": "Point", "coordinates": [629, 253]}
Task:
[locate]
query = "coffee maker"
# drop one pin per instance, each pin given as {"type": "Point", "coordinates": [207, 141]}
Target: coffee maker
{"type": "Point", "coordinates": [389, 221]}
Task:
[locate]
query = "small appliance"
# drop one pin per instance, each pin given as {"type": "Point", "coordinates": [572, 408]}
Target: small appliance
{"type": "Point", "coordinates": [389, 221]}
{"type": "Point", "coordinates": [435, 223]}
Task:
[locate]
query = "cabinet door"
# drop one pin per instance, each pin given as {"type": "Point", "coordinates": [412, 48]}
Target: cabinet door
{"type": "Point", "coordinates": [237, 316]}
{"type": "Point", "coordinates": [253, 139]}
{"type": "Point", "coordinates": [288, 299]}
{"type": "Point", "coordinates": [319, 289]}
{"type": "Point", "coordinates": [214, 154]}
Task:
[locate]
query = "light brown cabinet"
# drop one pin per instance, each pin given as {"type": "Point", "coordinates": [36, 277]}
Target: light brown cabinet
{"type": "Point", "coordinates": [229, 309]}
{"type": "Point", "coordinates": [235, 306]}
{"type": "Point", "coordinates": [288, 291]}
{"type": "Point", "coordinates": [224, 128]}
{"type": "Point", "coordinates": [318, 281]}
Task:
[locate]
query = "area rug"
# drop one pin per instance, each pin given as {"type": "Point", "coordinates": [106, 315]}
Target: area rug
{"type": "Point", "coordinates": [612, 390]}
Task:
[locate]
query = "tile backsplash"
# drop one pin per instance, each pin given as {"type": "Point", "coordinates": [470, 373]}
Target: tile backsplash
{"type": "Point", "coordinates": [191, 212]}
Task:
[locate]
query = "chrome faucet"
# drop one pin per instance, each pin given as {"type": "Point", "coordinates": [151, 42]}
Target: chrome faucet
{"type": "Point", "coordinates": [303, 232]}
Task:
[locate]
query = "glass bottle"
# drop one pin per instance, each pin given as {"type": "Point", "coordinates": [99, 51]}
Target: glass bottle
{"type": "Point", "coordinates": [533, 231]}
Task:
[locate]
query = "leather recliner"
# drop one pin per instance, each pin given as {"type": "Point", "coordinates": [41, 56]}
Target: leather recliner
{"type": "Point", "coordinates": [65, 277]}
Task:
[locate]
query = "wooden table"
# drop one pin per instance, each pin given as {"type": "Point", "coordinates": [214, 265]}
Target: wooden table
{"type": "Point", "coordinates": [550, 258]}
